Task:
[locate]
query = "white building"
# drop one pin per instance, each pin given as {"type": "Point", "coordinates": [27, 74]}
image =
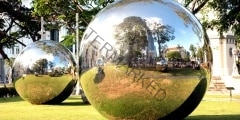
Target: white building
{"type": "Point", "coordinates": [15, 50]}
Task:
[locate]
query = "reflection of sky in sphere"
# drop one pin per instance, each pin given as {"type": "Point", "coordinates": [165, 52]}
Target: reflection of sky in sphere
{"type": "Point", "coordinates": [30, 56]}
{"type": "Point", "coordinates": [184, 33]}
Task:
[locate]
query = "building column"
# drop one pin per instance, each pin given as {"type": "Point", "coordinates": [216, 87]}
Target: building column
{"type": "Point", "coordinates": [217, 46]}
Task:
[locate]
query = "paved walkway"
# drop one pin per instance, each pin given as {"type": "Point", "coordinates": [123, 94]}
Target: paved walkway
{"type": "Point", "coordinates": [232, 82]}
{"type": "Point", "coordinates": [229, 81]}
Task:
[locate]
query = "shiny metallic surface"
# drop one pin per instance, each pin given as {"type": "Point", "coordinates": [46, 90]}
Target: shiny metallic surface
{"type": "Point", "coordinates": [145, 59]}
{"type": "Point", "coordinates": [161, 65]}
{"type": "Point", "coordinates": [44, 73]}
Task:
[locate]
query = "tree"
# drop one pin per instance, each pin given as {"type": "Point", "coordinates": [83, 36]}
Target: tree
{"type": "Point", "coordinates": [200, 54]}
{"type": "Point", "coordinates": [227, 17]}
{"type": "Point", "coordinates": [193, 50]}
{"type": "Point", "coordinates": [131, 36]}
{"type": "Point", "coordinates": [194, 5]}
{"type": "Point", "coordinates": [173, 55]}
{"type": "Point", "coordinates": [58, 13]}
{"type": "Point", "coordinates": [61, 12]}
{"type": "Point", "coordinates": [16, 22]}
{"type": "Point", "coordinates": [161, 33]}
{"type": "Point", "coordinates": [187, 57]}
{"type": "Point", "coordinates": [40, 66]}
{"type": "Point", "coordinates": [227, 14]}
{"type": "Point", "coordinates": [132, 33]}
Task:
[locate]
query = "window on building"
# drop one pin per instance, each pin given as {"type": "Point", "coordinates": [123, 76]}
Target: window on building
{"type": "Point", "coordinates": [17, 49]}
{"type": "Point", "coordinates": [54, 35]}
{"type": "Point", "coordinates": [12, 50]}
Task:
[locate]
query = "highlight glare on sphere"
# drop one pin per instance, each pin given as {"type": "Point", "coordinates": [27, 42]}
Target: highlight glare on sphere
{"type": "Point", "coordinates": [139, 60]}
{"type": "Point", "coordinates": [43, 73]}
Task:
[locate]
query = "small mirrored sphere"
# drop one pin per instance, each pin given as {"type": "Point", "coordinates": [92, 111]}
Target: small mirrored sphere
{"type": "Point", "coordinates": [44, 73]}
{"type": "Point", "coordinates": [161, 65]}
{"type": "Point", "coordinates": [145, 60]}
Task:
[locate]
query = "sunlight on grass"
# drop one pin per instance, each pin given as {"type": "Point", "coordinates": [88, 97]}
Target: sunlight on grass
{"type": "Point", "coordinates": [216, 110]}
{"type": "Point", "coordinates": [70, 109]}
{"type": "Point", "coordinates": [74, 109]}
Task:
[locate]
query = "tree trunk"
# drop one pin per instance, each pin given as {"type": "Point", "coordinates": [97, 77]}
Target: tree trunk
{"type": "Point", "coordinates": [4, 55]}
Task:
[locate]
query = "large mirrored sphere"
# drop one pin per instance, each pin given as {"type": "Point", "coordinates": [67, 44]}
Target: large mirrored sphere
{"type": "Point", "coordinates": [145, 59]}
{"type": "Point", "coordinates": [44, 73]}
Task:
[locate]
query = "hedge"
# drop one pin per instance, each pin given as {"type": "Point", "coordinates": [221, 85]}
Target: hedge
{"type": "Point", "coordinates": [8, 92]}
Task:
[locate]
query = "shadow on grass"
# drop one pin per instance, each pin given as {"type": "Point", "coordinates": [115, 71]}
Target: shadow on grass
{"type": "Point", "coordinates": [79, 103]}
{"type": "Point", "coordinates": [71, 101]}
{"type": "Point", "coordinates": [214, 117]}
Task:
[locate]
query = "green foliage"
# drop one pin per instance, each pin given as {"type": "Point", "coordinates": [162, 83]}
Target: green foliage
{"type": "Point", "coordinates": [40, 65]}
{"type": "Point", "coordinates": [173, 55]}
{"type": "Point", "coordinates": [200, 53]}
{"type": "Point", "coordinates": [18, 16]}
{"type": "Point", "coordinates": [193, 50]}
{"type": "Point", "coordinates": [14, 14]}
{"type": "Point", "coordinates": [194, 5]}
{"type": "Point", "coordinates": [63, 13]}
{"type": "Point", "coordinates": [228, 14]}
{"type": "Point", "coordinates": [163, 34]}
{"type": "Point", "coordinates": [55, 13]}
{"type": "Point", "coordinates": [134, 34]}
{"type": "Point", "coordinates": [69, 39]}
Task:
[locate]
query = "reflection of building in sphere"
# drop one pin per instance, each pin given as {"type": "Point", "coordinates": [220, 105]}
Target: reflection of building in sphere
{"type": "Point", "coordinates": [180, 49]}
{"type": "Point", "coordinates": [126, 71]}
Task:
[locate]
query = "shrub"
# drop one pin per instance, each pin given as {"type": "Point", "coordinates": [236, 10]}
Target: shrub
{"type": "Point", "coordinates": [8, 91]}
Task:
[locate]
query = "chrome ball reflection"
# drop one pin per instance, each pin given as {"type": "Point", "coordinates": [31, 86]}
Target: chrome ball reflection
{"type": "Point", "coordinates": [44, 73]}
{"type": "Point", "coordinates": [161, 65]}
{"type": "Point", "coordinates": [139, 60]}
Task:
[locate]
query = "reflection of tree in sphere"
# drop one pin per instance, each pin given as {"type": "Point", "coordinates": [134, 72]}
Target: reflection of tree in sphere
{"type": "Point", "coordinates": [42, 73]}
{"type": "Point", "coordinates": [140, 60]}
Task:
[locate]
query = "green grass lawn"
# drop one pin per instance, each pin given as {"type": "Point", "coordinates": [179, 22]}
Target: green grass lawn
{"type": "Point", "coordinates": [217, 107]}
{"type": "Point", "coordinates": [212, 107]}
